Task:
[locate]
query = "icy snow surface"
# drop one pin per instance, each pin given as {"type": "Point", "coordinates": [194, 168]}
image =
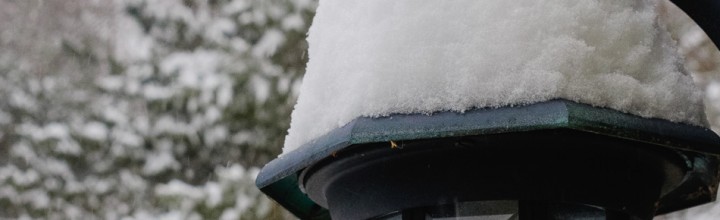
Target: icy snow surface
{"type": "Point", "coordinates": [377, 57]}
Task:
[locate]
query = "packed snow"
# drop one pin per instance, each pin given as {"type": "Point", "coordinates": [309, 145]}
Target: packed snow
{"type": "Point", "coordinates": [375, 58]}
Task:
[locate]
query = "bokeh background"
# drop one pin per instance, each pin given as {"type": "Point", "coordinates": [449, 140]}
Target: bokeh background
{"type": "Point", "coordinates": [167, 109]}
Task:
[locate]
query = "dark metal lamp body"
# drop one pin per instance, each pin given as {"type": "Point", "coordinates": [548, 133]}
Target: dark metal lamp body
{"type": "Point", "coordinates": [552, 160]}
{"type": "Point", "coordinates": [552, 154]}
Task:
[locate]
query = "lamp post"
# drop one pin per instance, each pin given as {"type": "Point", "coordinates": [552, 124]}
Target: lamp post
{"type": "Point", "coordinates": [550, 160]}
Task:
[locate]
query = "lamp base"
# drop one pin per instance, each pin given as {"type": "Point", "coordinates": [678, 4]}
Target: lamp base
{"type": "Point", "coordinates": [507, 210]}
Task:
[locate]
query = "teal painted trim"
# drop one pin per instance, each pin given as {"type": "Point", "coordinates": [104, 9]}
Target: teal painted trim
{"type": "Point", "coordinates": [288, 194]}
{"type": "Point", "coordinates": [453, 124]}
{"type": "Point", "coordinates": [649, 130]}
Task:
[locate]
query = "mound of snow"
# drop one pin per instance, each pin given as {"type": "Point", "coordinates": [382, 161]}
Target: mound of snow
{"type": "Point", "coordinates": [376, 57]}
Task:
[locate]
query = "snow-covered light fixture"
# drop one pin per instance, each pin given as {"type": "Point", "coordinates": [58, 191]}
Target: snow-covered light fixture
{"type": "Point", "coordinates": [549, 109]}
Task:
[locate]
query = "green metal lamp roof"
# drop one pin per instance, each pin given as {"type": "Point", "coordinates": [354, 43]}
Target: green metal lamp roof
{"type": "Point", "coordinates": [279, 178]}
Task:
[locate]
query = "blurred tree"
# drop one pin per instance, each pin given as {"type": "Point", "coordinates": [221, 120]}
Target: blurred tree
{"type": "Point", "coordinates": [145, 109]}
